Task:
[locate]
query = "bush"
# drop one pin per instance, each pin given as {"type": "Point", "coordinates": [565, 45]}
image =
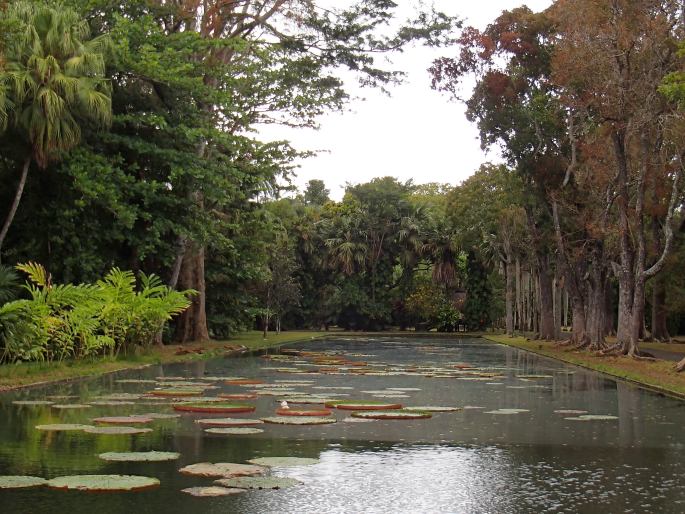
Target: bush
{"type": "Point", "coordinates": [65, 320]}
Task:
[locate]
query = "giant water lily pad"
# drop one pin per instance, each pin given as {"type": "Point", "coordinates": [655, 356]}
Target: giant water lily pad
{"type": "Point", "coordinates": [302, 412]}
{"type": "Point", "coordinates": [63, 427]}
{"type": "Point", "coordinates": [244, 381]}
{"type": "Point", "coordinates": [32, 402]}
{"type": "Point", "coordinates": [228, 422]}
{"type": "Point", "coordinates": [433, 408]}
{"type": "Point", "coordinates": [67, 406]}
{"type": "Point", "coordinates": [362, 405]}
{"type": "Point", "coordinates": [506, 411]}
{"type": "Point", "coordinates": [283, 462]}
{"type": "Point", "coordinates": [179, 392]}
{"type": "Point", "coordinates": [20, 482]}
{"type": "Point", "coordinates": [392, 414]}
{"type": "Point", "coordinates": [222, 470]}
{"type": "Point", "coordinates": [259, 482]}
{"type": "Point", "coordinates": [299, 420]}
{"type": "Point", "coordinates": [234, 431]}
{"type": "Point", "coordinates": [212, 491]}
{"type": "Point", "coordinates": [103, 483]}
{"type": "Point", "coordinates": [570, 411]}
{"type": "Point", "coordinates": [122, 420]}
{"type": "Point", "coordinates": [116, 430]}
{"type": "Point", "coordinates": [135, 381]}
{"type": "Point", "coordinates": [139, 456]}
{"type": "Point", "coordinates": [160, 415]}
{"type": "Point", "coordinates": [110, 403]}
{"type": "Point", "coordinates": [594, 417]}
{"type": "Point", "coordinates": [214, 407]}
{"type": "Point", "coordinates": [404, 389]}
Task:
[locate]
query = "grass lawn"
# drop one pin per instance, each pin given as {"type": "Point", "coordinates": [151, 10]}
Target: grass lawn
{"type": "Point", "coordinates": [658, 375]}
{"type": "Point", "coordinates": [32, 373]}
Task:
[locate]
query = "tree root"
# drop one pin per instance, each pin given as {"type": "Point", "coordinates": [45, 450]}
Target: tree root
{"type": "Point", "coordinates": [680, 366]}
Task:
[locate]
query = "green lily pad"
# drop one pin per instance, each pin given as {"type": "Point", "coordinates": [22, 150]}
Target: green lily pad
{"type": "Point", "coordinates": [234, 431]}
{"type": "Point", "coordinates": [350, 419]}
{"type": "Point", "coordinates": [160, 415]}
{"type": "Point", "coordinates": [123, 420]}
{"type": "Point", "coordinates": [404, 389]}
{"type": "Point", "coordinates": [179, 392]}
{"type": "Point", "coordinates": [116, 430]}
{"type": "Point", "coordinates": [433, 408]}
{"type": "Point", "coordinates": [135, 381]}
{"type": "Point", "coordinates": [67, 406]}
{"type": "Point", "coordinates": [570, 411]}
{"type": "Point", "coordinates": [392, 414]}
{"type": "Point", "coordinates": [506, 411]}
{"type": "Point", "coordinates": [63, 427]}
{"type": "Point", "coordinates": [259, 482]}
{"type": "Point", "coordinates": [211, 491]}
{"type": "Point", "coordinates": [20, 482]}
{"type": "Point", "coordinates": [32, 402]}
{"type": "Point", "coordinates": [299, 420]}
{"type": "Point", "coordinates": [283, 462]}
{"type": "Point", "coordinates": [103, 483]}
{"type": "Point", "coordinates": [362, 405]}
{"type": "Point", "coordinates": [228, 422]}
{"type": "Point", "coordinates": [214, 407]}
{"type": "Point", "coordinates": [139, 456]}
{"type": "Point", "coordinates": [110, 403]}
{"type": "Point", "coordinates": [222, 470]}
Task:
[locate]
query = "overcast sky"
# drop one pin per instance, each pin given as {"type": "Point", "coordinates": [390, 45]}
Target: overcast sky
{"type": "Point", "coordinates": [416, 133]}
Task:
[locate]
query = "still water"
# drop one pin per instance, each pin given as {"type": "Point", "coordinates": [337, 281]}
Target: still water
{"type": "Point", "coordinates": [468, 461]}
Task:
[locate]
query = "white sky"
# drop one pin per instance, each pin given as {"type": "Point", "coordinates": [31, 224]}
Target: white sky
{"type": "Point", "coordinates": [416, 133]}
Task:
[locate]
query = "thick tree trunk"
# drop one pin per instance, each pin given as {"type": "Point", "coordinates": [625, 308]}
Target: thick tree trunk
{"type": "Point", "coordinates": [659, 312]}
{"type": "Point", "coordinates": [546, 301]}
{"type": "Point", "coordinates": [192, 324]}
{"type": "Point", "coordinates": [15, 203]}
{"type": "Point", "coordinates": [596, 311]}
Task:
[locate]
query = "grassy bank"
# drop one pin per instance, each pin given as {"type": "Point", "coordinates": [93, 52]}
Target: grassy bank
{"type": "Point", "coordinates": [32, 373]}
{"type": "Point", "coordinates": [658, 375]}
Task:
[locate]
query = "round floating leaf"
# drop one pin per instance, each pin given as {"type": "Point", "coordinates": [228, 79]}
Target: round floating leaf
{"type": "Point", "coordinates": [63, 427]}
{"type": "Point", "coordinates": [222, 470]}
{"type": "Point", "coordinates": [139, 456]}
{"type": "Point", "coordinates": [121, 397]}
{"type": "Point", "coordinates": [136, 381]}
{"type": "Point", "coordinates": [103, 483]}
{"type": "Point", "coordinates": [300, 412]}
{"type": "Point", "coordinates": [570, 411]}
{"type": "Point", "coordinates": [234, 431]}
{"type": "Point", "coordinates": [160, 415]}
{"type": "Point", "coordinates": [214, 407]}
{"type": "Point", "coordinates": [594, 417]}
{"type": "Point", "coordinates": [506, 411]}
{"type": "Point", "coordinates": [123, 420]}
{"type": "Point", "coordinates": [211, 491]}
{"type": "Point", "coordinates": [110, 403]}
{"type": "Point", "coordinates": [259, 482]}
{"type": "Point", "coordinates": [244, 381]}
{"type": "Point", "coordinates": [392, 414]}
{"type": "Point", "coordinates": [70, 406]}
{"type": "Point", "coordinates": [116, 430]}
{"type": "Point", "coordinates": [176, 392]}
{"type": "Point", "coordinates": [228, 422]}
{"type": "Point", "coordinates": [363, 405]}
{"type": "Point", "coordinates": [32, 402]}
{"type": "Point", "coordinates": [301, 420]}
{"type": "Point", "coordinates": [283, 462]}
{"type": "Point", "coordinates": [20, 482]}
{"type": "Point", "coordinates": [350, 419]}
{"type": "Point", "coordinates": [433, 408]}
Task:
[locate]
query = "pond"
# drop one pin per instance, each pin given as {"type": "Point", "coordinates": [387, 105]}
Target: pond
{"type": "Point", "coordinates": [518, 443]}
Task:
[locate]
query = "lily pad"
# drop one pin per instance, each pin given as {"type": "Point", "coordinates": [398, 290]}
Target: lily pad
{"type": "Point", "coordinates": [110, 403]}
{"type": "Point", "coordinates": [135, 381]}
{"type": "Point", "coordinates": [594, 417]}
{"type": "Point", "coordinates": [222, 470]}
{"type": "Point", "coordinates": [506, 411]}
{"type": "Point", "coordinates": [63, 427]}
{"type": "Point", "coordinates": [211, 491]}
{"type": "Point", "coordinates": [234, 431]}
{"type": "Point", "coordinates": [176, 392]}
{"type": "Point", "coordinates": [67, 406]}
{"type": "Point", "coordinates": [160, 415]}
{"type": "Point", "coordinates": [301, 420]}
{"type": "Point", "coordinates": [32, 402]}
{"type": "Point", "coordinates": [259, 482]}
{"type": "Point", "coordinates": [116, 430]}
{"type": "Point", "coordinates": [228, 422]}
{"type": "Point", "coordinates": [123, 420]}
{"type": "Point", "coordinates": [244, 381]}
{"type": "Point", "coordinates": [103, 483]}
{"type": "Point", "coordinates": [300, 412]}
{"type": "Point", "coordinates": [404, 389]}
{"type": "Point", "coordinates": [392, 414]}
{"type": "Point", "coordinates": [433, 408]}
{"type": "Point", "coordinates": [139, 456]}
{"type": "Point", "coordinates": [20, 482]}
{"type": "Point", "coordinates": [214, 407]}
{"type": "Point", "coordinates": [570, 411]}
{"type": "Point", "coordinates": [350, 419]}
{"type": "Point", "coordinates": [283, 462]}
{"type": "Point", "coordinates": [362, 405]}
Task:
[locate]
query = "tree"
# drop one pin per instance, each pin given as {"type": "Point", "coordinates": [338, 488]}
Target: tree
{"type": "Point", "coordinates": [316, 193]}
{"type": "Point", "coordinates": [52, 81]}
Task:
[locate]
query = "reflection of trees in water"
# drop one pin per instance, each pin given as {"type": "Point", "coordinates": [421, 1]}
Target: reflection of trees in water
{"type": "Point", "coordinates": [630, 415]}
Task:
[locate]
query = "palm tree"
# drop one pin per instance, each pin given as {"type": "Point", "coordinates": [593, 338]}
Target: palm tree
{"type": "Point", "coordinates": [52, 78]}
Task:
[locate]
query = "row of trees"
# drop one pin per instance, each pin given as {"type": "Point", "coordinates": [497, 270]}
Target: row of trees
{"type": "Point", "coordinates": [585, 101]}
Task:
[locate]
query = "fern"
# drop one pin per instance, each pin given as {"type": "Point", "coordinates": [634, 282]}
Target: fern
{"type": "Point", "coordinates": [9, 283]}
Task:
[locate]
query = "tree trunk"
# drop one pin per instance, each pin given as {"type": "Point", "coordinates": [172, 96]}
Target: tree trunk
{"type": "Point", "coordinates": [192, 324]}
{"type": "Point", "coordinates": [509, 296]}
{"type": "Point", "coordinates": [659, 312]}
{"type": "Point", "coordinates": [546, 301]}
{"type": "Point", "coordinates": [15, 202]}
